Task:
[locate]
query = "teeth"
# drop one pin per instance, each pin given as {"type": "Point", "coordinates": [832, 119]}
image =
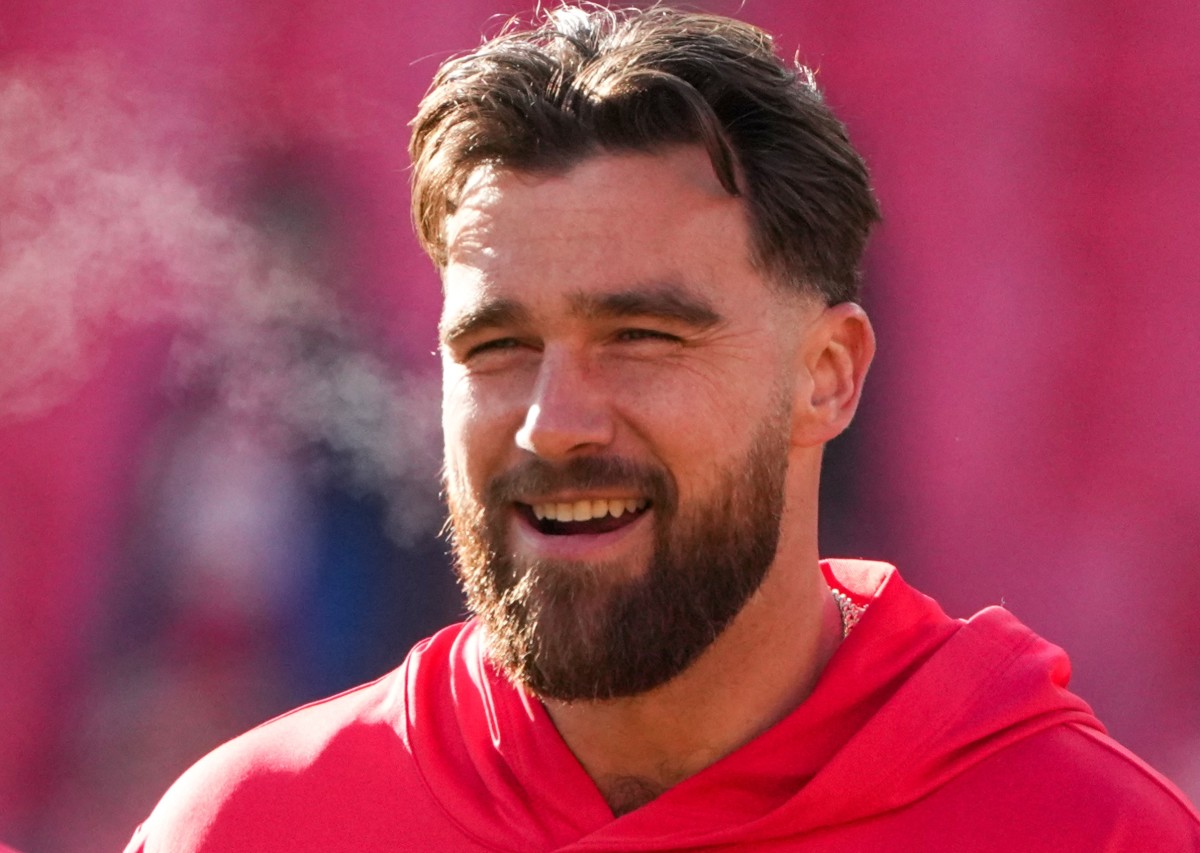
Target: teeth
{"type": "Point", "coordinates": [586, 510]}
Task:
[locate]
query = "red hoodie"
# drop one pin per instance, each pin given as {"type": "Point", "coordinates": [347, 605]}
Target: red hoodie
{"type": "Point", "coordinates": [924, 733]}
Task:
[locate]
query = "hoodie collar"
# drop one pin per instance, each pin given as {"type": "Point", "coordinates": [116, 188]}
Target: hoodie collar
{"type": "Point", "coordinates": [910, 699]}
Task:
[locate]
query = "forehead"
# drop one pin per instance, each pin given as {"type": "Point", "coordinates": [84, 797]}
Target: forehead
{"type": "Point", "coordinates": [612, 221]}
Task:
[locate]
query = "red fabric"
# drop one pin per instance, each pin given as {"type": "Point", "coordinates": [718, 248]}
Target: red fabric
{"type": "Point", "coordinates": [924, 733]}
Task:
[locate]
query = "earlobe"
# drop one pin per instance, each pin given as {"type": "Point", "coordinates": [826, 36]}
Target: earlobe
{"type": "Point", "coordinates": [835, 356]}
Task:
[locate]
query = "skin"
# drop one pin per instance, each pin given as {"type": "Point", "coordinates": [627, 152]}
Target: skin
{"type": "Point", "coordinates": [615, 309]}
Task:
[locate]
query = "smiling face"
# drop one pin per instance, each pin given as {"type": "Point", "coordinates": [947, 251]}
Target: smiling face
{"type": "Point", "coordinates": [618, 386]}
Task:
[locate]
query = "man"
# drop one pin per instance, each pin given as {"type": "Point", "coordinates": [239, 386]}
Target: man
{"type": "Point", "coordinates": [648, 230]}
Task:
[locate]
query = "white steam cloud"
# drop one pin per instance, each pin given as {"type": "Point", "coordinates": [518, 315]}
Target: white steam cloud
{"type": "Point", "coordinates": [104, 228]}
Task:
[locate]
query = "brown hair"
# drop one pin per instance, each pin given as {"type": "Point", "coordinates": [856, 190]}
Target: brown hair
{"type": "Point", "coordinates": [589, 80]}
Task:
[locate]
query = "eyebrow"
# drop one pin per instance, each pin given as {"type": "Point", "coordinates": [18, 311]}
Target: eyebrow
{"type": "Point", "coordinates": [488, 315]}
{"type": "Point", "coordinates": [666, 302]}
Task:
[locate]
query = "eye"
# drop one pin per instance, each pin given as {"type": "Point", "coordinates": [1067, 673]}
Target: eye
{"type": "Point", "coordinates": [634, 335]}
{"type": "Point", "coordinates": [496, 345]}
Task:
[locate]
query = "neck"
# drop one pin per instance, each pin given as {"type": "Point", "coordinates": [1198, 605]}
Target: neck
{"type": "Point", "coordinates": [761, 667]}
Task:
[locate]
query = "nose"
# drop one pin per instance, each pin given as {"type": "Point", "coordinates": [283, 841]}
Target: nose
{"type": "Point", "coordinates": [568, 415]}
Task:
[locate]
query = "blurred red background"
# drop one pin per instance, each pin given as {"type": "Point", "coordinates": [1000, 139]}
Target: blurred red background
{"type": "Point", "coordinates": [218, 445]}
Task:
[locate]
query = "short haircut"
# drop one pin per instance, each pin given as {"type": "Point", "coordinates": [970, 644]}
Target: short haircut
{"type": "Point", "coordinates": [586, 80]}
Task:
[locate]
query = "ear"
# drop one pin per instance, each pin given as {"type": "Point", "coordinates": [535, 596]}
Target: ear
{"type": "Point", "coordinates": [834, 358]}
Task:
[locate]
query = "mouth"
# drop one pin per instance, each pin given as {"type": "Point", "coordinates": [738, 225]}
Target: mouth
{"type": "Point", "coordinates": [584, 516]}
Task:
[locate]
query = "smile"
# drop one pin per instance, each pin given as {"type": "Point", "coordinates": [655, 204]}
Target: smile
{"type": "Point", "coordinates": [596, 515]}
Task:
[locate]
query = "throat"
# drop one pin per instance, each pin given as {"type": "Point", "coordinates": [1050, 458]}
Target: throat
{"type": "Point", "coordinates": [627, 793]}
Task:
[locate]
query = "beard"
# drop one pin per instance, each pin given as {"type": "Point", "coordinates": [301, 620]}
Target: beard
{"type": "Point", "coordinates": [571, 630]}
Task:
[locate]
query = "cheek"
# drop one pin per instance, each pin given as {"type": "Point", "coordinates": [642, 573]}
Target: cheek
{"type": "Point", "coordinates": [477, 432]}
{"type": "Point", "coordinates": [687, 411]}
{"type": "Point", "coordinates": [702, 428]}
{"type": "Point", "coordinates": [458, 419]}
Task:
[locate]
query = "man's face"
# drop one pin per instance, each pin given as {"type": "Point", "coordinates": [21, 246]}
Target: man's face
{"type": "Point", "coordinates": [617, 406]}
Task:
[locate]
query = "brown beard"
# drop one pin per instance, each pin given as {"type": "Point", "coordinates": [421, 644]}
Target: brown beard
{"type": "Point", "coordinates": [572, 631]}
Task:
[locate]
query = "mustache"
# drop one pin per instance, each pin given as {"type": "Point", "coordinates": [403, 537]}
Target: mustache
{"type": "Point", "coordinates": [584, 473]}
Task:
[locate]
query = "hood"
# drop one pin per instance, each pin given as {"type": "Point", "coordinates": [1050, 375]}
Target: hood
{"type": "Point", "coordinates": [911, 699]}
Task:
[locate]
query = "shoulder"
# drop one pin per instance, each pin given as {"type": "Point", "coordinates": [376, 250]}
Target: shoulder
{"type": "Point", "coordinates": [298, 779]}
{"type": "Point", "coordinates": [1103, 777]}
{"type": "Point", "coordinates": [1068, 787]}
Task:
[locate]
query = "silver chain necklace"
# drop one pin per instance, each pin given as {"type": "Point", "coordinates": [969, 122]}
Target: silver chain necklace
{"type": "Point", "coordinates": [850, 611]}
